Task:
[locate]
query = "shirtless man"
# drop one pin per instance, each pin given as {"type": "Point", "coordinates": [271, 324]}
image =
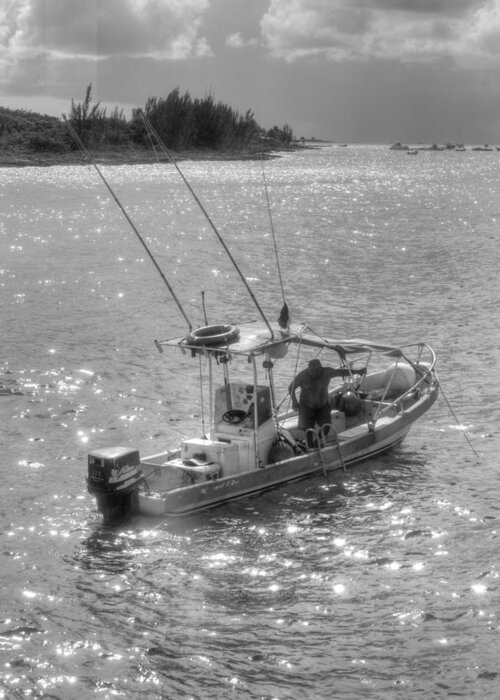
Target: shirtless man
{"type": "Point", "coordinates": [313, 406]}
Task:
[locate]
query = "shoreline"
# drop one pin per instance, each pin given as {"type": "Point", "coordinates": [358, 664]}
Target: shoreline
{"type": "Point", "coordinates": [137, 156]}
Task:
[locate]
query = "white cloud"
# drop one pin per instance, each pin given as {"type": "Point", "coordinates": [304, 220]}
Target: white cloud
{"type": "Point", "coordinates": [98, 29]}
{"type": "Point", "coordinates": [236, 41]}
{"type": "Point", "coordinates": [56, 47]}
{"type": "Point", "coordinates": [483, 38]}
{"type": "Point", "coordinates": [405, 30]}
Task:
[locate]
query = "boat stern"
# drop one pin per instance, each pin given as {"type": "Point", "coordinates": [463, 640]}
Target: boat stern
{"type": "Point", "coordinates": [114, 476]}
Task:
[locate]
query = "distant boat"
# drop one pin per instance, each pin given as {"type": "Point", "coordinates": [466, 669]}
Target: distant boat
{"type": "Point", "coordinates": [412, 152]}
{"type": "Point", "coordinates": [342, 145]}
{"type": "Point", "coordinates": [398, 146]}
{"type": "Point", "coordinates": [459, 147]}
{"type": "Point", "coordinates": [486, 147]}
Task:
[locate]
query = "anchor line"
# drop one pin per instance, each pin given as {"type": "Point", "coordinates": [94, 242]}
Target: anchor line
{"type": "Point", "coordinates": [87, 155]}
{"type": "Point", "coordinates": [159, 141]}
{"type": "Point", "coordinates": [458, 423]}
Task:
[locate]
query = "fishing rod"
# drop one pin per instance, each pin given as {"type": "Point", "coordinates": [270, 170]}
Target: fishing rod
{"type": "Point", "coordinates": [153, 131]}
{"type": "Point", "coordinates": [87, 155]}
{"type": "Point", "coordinates": [284, 317]}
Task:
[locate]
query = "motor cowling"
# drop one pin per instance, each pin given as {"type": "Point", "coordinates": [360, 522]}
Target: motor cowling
{"type": "Point", "coordinates": [349, 402]}
{"type": "Point", "coordinates": [114, 476]}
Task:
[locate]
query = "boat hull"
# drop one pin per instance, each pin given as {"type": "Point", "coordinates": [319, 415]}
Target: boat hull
{"type": "Point", "coordinates": [355, 445]}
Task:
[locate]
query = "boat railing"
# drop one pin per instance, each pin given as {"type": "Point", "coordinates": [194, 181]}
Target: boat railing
{"type": "Point", "coordinates": [387, 404]}
{"type": "Point", "coordinates": [424, 368]}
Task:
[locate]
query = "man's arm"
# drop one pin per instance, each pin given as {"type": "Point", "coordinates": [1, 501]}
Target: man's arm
{"type": "Point", "coordinates": [294, 384]}
{"type": "Point", "coordinates": [333, 372]}
{"type": "Point", "coordinates": [343, 371]}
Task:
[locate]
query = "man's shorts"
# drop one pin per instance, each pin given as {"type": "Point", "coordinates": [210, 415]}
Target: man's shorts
{"type": "Point", "coordinates": [308, 417]}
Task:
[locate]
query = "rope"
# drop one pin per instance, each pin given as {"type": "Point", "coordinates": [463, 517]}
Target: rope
{"type": "Point", "coordinates": [288, 395]}
{"type": "Point", "coordinates": [202, 398]}
{"type": "Point", "coordinates": [458, 423]}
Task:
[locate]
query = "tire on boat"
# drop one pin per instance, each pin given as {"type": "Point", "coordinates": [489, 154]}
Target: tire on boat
{"type": "Point", "coordinates": [213, 335]}
{"type": "Point", "coordinates": [280, 450]}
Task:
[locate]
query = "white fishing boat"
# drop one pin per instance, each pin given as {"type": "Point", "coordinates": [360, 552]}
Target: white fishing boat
{"type": "Point", "coordinates": [250, 438]}
{"type": "Point", "coordinates": [251, 445]}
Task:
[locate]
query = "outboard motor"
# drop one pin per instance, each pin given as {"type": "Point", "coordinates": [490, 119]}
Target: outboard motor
{"type": "Point", "coordinates": [114, 476]}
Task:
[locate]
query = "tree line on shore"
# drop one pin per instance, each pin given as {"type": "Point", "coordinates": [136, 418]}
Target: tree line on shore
{"type": "Point", "coordinates": [182, 123]}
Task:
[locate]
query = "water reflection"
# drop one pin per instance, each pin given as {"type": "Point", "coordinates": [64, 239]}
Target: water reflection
{"type": "Point", "coordinates": [110, 551]}
{"type": "Point", "coordinates": [378, 582]}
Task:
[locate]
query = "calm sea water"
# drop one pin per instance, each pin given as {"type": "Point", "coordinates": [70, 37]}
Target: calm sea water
{"type": "Point", "coordinates": [379, 583]}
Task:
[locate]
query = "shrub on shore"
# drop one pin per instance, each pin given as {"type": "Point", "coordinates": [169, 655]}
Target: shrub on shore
{"type": "Point", "coordinates": [183, 123]}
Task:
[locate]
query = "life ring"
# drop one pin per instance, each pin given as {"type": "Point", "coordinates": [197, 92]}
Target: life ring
{"type": "Point", "coordinates": [213, 335]}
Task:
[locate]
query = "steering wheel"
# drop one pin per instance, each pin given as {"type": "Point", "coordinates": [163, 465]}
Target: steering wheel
{"type": "Point", "coordinates": [235, 415]}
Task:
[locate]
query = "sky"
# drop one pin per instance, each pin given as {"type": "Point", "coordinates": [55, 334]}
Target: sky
{"type": "Point", "coordinates": [367, 71]}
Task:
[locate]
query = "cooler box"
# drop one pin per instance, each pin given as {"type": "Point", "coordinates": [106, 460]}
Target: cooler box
{"type": "Point", "coordinates": [337, 419]}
